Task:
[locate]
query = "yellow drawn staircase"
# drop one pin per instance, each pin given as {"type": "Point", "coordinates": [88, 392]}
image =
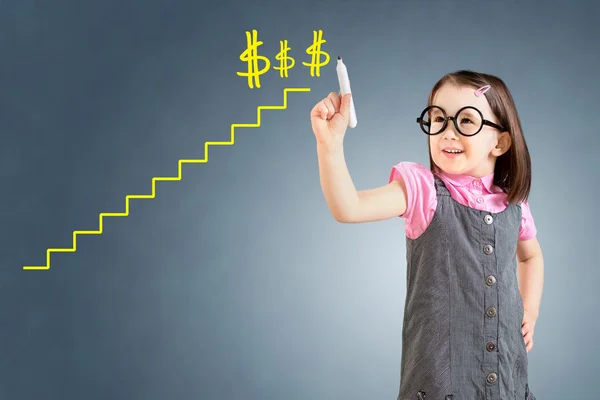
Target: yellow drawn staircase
{"type": "Point", "coordinates": [160, 178]}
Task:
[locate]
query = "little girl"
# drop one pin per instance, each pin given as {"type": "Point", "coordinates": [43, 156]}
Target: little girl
{"type": "Point", "coordinates": [468, 320]}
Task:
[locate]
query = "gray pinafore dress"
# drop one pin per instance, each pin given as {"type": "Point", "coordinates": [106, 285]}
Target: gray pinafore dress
{"type": "Point", "coordinates": [461, 338]}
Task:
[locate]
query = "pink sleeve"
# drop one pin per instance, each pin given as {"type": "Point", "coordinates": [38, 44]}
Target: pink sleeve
{"type": "Point", "coordinates": [528, 229]}
{"type": "Point", "coordinates": [421, 199]}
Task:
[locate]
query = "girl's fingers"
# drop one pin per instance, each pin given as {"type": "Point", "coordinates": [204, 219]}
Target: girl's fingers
{"type": "Point", "coordinates": [527, 337]}
{"type": "Point", "coordinates": [529, 345]}
{"type": "Point", "coordinates": [319, 110]}
{"type": "Point", "coordinates": [335, 100]}
{"type": "Point", "coordinates": [330, 107]}
{"type": "Point", "coordinates": [324, 111]}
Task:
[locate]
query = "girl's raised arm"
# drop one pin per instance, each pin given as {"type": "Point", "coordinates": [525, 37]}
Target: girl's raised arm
{"type": "Point", "coordinates": [329, 119]}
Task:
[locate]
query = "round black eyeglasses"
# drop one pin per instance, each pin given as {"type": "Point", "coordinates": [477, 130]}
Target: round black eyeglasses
{"type": "Point", "coordinates": [468, 121]}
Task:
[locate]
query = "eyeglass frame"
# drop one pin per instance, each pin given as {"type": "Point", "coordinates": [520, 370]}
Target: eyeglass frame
{"type": "Point", "coordinates": [453, 119]}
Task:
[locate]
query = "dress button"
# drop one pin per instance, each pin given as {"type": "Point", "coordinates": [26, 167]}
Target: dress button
{"type": "Point", "coordinates": [491, 346]}
{"type": "Point", "coordinates": [488, 249]}
{"type": "Point", "coordinates": [476, 183]}
{"type": "Point", "coordinates": [488, 219]}
{"type": "Point", "coordinates": [491, 312]}
{"type": "Point", "coordinates": [491, 378]}
{"type": "Point", "coordinates": [490, 280]}
{"type": "Point", "coordinates": [480, 200]}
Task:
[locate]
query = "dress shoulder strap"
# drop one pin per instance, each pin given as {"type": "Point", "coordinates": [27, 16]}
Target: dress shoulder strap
{"type": "Point", "coordinates": [440, 187]}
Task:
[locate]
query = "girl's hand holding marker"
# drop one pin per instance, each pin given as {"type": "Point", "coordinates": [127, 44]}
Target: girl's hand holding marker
{"type": "Point", "coordinates": [331, 116]}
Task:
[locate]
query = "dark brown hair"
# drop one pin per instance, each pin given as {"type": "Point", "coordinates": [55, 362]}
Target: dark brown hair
{"type": "Point", "coordinates": [512, 172]}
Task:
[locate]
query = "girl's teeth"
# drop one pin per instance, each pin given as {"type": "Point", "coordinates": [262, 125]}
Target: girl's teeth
{"type": "Point", "coordinates": [453, 151]}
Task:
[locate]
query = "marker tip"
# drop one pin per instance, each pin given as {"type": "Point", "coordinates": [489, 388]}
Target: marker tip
{"type": "Point", "coordinates": [339, 58]}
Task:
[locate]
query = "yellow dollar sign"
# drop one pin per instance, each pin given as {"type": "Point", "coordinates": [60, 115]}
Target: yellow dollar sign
{"type": "Point", "coordinates": [283, 59]}
{"type": "Point", "coordinates": [315, 51]}
{"type": "Point", "coordinates": [251, 56]}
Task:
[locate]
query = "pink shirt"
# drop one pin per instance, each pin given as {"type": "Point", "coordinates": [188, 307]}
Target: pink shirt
{"type": "Point", "coordinates": [478, 193]}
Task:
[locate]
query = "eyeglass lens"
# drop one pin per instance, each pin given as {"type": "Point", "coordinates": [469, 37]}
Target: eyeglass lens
{"type": "Point", "coordinates": [469, 121]}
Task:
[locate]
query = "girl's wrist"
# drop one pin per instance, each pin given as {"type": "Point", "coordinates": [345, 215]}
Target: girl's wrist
{"type": "Point", "coordinates": [331, 146]}
{"type": "Point", "coordinates": [530, 315]}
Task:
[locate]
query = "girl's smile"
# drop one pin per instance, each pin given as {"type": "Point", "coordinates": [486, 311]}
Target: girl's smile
{"type": "Point", "coordinates": [452, 152]}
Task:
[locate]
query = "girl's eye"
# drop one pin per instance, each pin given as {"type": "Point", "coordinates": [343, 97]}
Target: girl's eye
{"type": "Point", "coordinates": [465, 120]}
{"type": "Point", "coordinates": [438, 119]}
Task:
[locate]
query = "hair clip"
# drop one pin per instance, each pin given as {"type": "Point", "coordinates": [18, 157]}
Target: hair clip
{"type": "Point", "coordinates": [482, 90]}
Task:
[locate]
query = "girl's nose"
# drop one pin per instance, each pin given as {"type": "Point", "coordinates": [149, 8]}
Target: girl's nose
{"type": "Point", "coordinates": [450, 132]}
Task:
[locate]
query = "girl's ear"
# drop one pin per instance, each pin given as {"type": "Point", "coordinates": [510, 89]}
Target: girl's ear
{"type": "Point", "coordinates": [503, 143]}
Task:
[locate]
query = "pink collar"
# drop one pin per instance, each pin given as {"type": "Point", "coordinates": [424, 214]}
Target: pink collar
{"type": "Point", "coordinates": [464, 180]}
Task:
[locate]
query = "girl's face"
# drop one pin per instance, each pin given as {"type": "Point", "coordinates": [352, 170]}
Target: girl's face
{"type": "Point", "coordinates": [477, 156]}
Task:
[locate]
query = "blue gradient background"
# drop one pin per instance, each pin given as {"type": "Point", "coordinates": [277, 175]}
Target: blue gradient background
{"type": "Point", "coordinates": [236, 282]}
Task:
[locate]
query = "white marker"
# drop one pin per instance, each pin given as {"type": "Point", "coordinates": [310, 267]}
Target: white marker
{"type": "Point", "coordinates": [342, 74]}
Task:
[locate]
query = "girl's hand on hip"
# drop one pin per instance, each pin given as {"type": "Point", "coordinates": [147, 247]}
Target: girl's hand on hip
{"type": "Point", "coordinates": [527, 328]}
